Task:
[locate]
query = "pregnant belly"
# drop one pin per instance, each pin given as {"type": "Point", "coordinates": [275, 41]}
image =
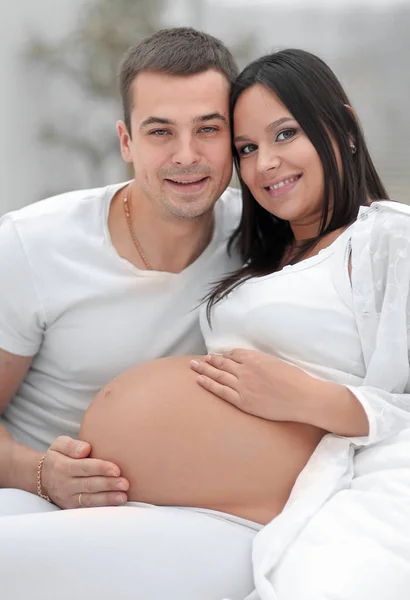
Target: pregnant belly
{"type": "Point", "coordinates": [179, 445]}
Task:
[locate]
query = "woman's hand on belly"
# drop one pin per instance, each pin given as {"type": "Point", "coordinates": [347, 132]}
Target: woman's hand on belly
{"type": "Point", "coordinates": [268, 387]}
{"type": "Point", "coordinates": [255, 382]}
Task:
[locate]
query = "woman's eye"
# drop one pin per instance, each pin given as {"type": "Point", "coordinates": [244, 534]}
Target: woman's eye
{"type": "Point", "coordinates": [247, 149]}
{"type": "Point", "coordinates": [285, 135]}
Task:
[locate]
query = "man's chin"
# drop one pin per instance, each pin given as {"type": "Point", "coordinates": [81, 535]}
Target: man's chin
{"type": "Point", "coordinates": [191, 207]}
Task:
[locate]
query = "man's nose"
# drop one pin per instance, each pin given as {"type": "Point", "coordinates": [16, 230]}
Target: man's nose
{"type": "Point", "coordinates": [186, 152]}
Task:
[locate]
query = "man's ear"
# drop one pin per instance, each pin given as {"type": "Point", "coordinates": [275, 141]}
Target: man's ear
{"type": "Point", "coordinates": [125, 140]}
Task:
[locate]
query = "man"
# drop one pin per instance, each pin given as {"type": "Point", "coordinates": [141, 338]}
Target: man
{"type": "Point", "coordinates": [96, 281]}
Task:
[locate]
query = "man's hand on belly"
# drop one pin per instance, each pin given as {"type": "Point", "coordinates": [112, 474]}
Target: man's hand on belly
{"type": "Point", "coordinates": [71, 480]}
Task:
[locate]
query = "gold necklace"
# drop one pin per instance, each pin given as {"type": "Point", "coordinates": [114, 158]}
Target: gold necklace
{"type": "Point", "coordinates": [134, 238]}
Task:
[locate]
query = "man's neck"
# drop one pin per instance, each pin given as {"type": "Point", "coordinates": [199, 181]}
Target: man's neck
{"type": "Point", "coordinates": [172, 245]}
{"type": "Point", "coordinates": [169, 244]}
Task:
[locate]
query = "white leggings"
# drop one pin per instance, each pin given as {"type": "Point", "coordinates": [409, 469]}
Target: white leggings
{"type": "Point", "coordinates": [138, 552]}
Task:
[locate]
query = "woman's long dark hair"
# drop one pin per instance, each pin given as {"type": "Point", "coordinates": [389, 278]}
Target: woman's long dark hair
{"type": "Point", "coordinates": [313, 95]}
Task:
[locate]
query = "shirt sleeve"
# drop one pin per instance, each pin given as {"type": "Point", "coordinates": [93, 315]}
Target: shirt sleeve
{"type": "Point", "coordinates": [387, 413]}
{"type": "Point", "coordinates": [22, 319]}
{"type": "Point", "coordinates": [381, 293]}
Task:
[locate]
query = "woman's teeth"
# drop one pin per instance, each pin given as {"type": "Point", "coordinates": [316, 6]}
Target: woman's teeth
{"type": "Point", "coordinates": [277, 186]}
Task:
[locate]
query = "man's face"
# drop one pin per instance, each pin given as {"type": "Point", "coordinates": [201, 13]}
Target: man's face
{"type": "Point", "coordinates": [180, 145]}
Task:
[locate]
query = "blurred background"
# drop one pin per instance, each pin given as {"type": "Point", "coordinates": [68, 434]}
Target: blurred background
{"type": "Point", "coordinates": [58, 63]}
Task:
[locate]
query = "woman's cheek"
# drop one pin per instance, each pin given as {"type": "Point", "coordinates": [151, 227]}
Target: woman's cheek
{"type": "Point", "coordinates": [246, 173]}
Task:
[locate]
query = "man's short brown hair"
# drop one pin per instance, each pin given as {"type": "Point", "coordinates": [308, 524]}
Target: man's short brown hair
{"type": "Point", "coordinates": [176, 51]}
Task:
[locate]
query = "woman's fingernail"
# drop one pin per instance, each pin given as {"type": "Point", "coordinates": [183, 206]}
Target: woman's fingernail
{"type": "Point", "coordinates": [119, 499]}
{"type": "Point", "coordinates": [122, 486]}
{"type": "Point", "coordinates": [201, 380]}
{"type": "Point", "coordinates": [194, 363]}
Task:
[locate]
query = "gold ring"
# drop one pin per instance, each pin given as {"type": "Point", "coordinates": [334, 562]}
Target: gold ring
{"type": "Point", "coordinates": [80, 504]}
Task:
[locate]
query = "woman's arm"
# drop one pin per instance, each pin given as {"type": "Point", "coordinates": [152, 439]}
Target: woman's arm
{"type": "Point", "coordinates": [267, 387]}
{"type": "Point", "coordinates": [334, 408]}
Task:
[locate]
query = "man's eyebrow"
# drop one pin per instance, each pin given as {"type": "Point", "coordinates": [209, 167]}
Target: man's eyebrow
{"type": "Point", "coordinates": [270, 127]}
{"type": "Point", "coordinates": [156, 121]}
{"type": "Point", "coordinates": [216, 116]}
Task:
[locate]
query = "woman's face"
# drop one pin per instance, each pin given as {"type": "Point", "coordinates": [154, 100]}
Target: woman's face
{"type": "Point", "coordinates": [278, 162]}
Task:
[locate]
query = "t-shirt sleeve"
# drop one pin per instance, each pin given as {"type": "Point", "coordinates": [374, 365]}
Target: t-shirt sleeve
{"type": "Point", "coordinates": [22, 319]}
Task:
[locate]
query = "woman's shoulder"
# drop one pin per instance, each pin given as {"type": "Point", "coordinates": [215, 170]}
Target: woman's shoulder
{"type": "Point", "coordinates": [382, 231]}
{"type": "Point", "coordinates": [392, 219]}
{"type": "Point", "coordinates": [391, 206]}
{"type": "Point", "coordinates": [380, 239]}
{"type": "Point", "coordinates": [390, 209]}
{"type": "Point", "coordinates": [388, 219]}
{"type": "Point", "coordinates": [386, 233]}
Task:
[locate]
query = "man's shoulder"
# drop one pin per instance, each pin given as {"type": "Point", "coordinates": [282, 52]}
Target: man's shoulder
{"type": "Point", "coordinates": [59, 215]}
{"type": "Point", "coordinates": [56, 206]}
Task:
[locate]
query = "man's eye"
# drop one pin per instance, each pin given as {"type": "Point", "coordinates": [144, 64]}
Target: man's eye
{"type": "Point", "coordinates": [159, 132]}
{"type": "Point", "coordinates": [209, 129]}
{"type": "Point", "coordinates": [285, 135]}
{"type": "Point", "coordinates": [246, 149]}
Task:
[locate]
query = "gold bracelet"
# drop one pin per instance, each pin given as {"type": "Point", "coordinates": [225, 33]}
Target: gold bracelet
{"type": "Point", "coordinates": [39, 488]}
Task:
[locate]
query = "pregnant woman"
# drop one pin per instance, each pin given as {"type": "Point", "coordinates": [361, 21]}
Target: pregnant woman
{"type": "Point", "coordinates": [228, 435]}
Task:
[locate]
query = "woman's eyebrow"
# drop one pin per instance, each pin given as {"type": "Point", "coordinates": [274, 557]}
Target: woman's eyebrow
{"type": "Point", "coordinates": [270, 127]}
{"type": "Point", "coordinates": [278, 123]}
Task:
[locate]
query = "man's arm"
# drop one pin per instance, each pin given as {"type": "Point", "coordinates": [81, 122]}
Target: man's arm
{"type": "Point", "coordinates": [68, 476]}
{"type": "Point", "coordinates": [17, 462]}
{"type": "Point", "coordinates": [67, 471]}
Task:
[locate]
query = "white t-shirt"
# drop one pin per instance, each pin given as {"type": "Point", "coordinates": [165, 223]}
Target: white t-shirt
{"type": "Point", "coordinates": [302, 314]}
{"type": "Point", "coordinates": [86, 314]}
